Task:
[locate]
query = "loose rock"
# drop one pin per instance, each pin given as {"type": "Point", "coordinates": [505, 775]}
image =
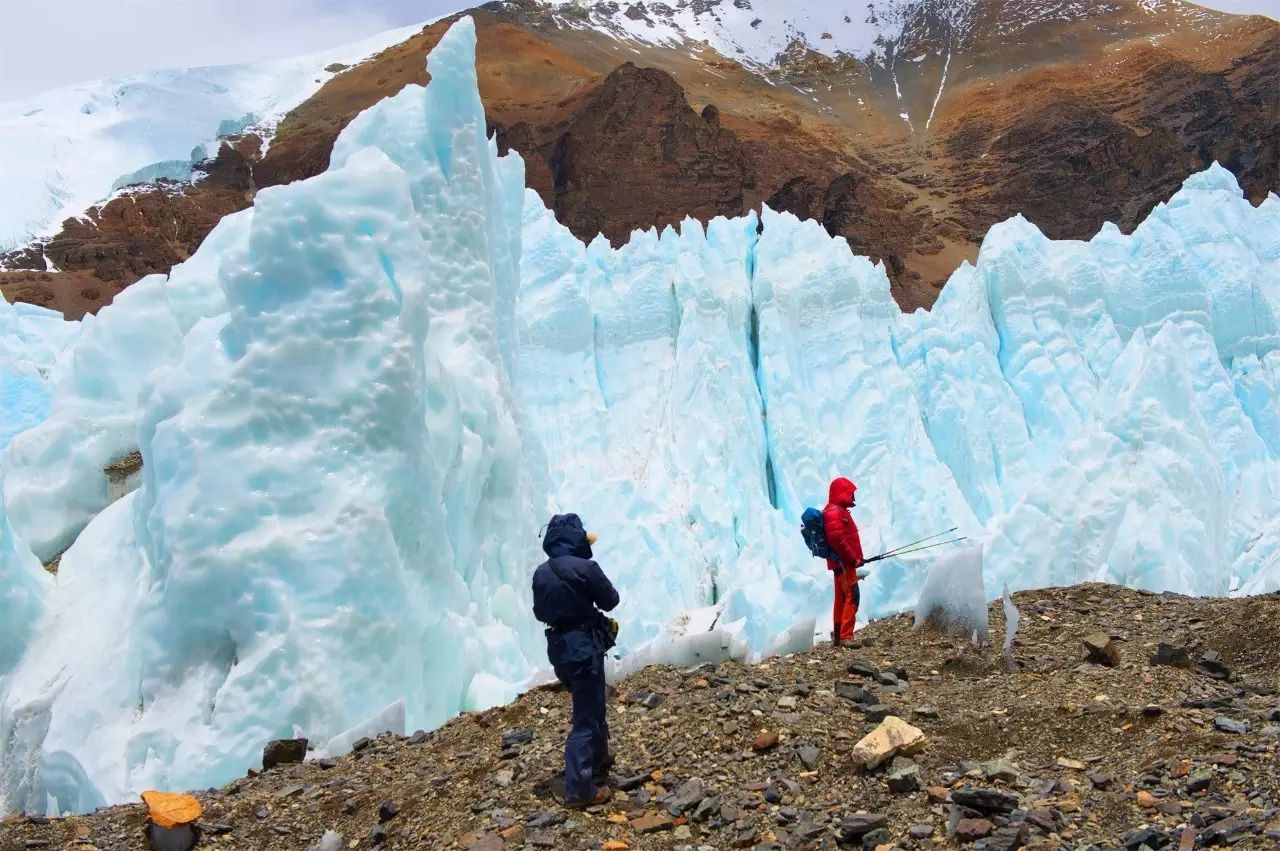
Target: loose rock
{"type": "Point", "coordinates": [282, 752]}
{"type": "Point", "coordinates": [1102, 650]}
{"type": "Point", "coordinates": [894, 736]}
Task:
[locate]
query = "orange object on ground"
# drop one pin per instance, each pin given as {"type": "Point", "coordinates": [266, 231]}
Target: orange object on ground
{"type": "Point", "coordinates": [171, 809]}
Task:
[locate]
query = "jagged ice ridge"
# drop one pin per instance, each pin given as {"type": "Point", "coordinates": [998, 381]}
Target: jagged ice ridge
{"type": "Point", "coordinates": [359, 400]}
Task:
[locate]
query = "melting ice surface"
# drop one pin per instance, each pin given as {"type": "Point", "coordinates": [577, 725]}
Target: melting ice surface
{"type": "Point", "coordinates": [360, 399]}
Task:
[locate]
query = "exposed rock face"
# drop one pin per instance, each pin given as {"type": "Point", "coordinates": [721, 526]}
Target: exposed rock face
{"type": "Point", "coordinates": [147, 230]}
{"type": "Point", "coordinates": [876, 219]}
{"type": "Point", "coordinates": [636, 155]}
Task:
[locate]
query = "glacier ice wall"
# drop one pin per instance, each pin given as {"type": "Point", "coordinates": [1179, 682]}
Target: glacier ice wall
{"type": "Point", "coordinates": [359, 400]}
{"type": "Point", "coordinates": [335, 512]}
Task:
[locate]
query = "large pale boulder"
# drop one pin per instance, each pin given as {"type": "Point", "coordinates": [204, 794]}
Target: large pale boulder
{"type": "Point", "coordinates": [893, 737]}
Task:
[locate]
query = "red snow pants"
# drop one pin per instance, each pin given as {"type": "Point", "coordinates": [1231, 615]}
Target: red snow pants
{"type": "Point", "coordinates": [845, 612]}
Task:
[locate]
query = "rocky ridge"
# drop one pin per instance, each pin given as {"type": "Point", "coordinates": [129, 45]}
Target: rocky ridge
{"type": "Point", "coordinates": [1132, 721]}
{"type": "Point", "coordinates": [1073, 114]}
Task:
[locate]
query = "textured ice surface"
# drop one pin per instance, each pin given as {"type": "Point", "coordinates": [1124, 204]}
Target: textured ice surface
{"type": "Point", "coordinates": [335, 510]}
{"type": "Point", "coordinates": [952, 598]}
{"type": "Point", "coordinates": [360, 399]}
{"type": "Point", "coordinates": [387, 720]}
{"type": "Point", "coordinates": [1012, 618]}
{"type": "Point", "coordinates": [31, 339]}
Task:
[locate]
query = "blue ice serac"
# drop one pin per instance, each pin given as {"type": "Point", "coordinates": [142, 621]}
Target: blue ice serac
{"type": "Point", "coordinates": [355, 404]}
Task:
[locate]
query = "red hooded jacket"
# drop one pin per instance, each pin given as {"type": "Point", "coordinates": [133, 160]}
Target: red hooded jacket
{"type": "Point", "coordinates": [837, 522]}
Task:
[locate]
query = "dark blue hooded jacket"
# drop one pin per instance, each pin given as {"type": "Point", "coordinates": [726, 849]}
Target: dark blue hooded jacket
{"type": "Point", "coordinates": [569, 592]}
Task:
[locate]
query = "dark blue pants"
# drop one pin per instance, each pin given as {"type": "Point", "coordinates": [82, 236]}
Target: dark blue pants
{"type": "Point", "coordinates": [588, 744]}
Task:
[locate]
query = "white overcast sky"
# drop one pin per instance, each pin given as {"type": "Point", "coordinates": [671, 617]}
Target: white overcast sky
{"type": "Point", "coordinates": [53, 43]}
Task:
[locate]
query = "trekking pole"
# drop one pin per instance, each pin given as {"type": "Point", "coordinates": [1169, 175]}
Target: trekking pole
{"type": "Point", "coordinates": [895, 550]}
{"type": "Point", "coordinates": [902, 551]}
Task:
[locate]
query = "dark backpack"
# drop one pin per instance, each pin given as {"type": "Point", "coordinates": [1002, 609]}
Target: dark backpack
{"type": "Point", "coordinates": [815, 534]}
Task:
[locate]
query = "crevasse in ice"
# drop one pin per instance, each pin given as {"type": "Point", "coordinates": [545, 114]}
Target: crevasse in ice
{"type": "Point", "coordinates": [359, 400]}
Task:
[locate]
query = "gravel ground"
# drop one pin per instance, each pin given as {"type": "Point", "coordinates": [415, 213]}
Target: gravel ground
{"type": "Point", "coordinates": [1089, 743]}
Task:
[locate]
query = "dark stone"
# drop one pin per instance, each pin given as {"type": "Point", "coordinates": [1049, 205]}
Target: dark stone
{"type": "Point", "coordinates": [1149, 836]}
{"type": "Point", "coordinates": [850, 690]}
{"type": "Point", "coordinates": [282, 752]}
{"type": "Point", "coordinates": [886, 678]}
{"type": "Point", "coordinates": [388, 810]}
{"type": "Point", "coordinates": [1227, 831]}
{"type": "Point", "coordinates": [1215, 703]}
{"type": "Point", "coordinates": [626, 784]}
{"type": "Point", "coordinates": [545, 819]}
{"type": "Point", "coordinates": [904, 776]}
{"type": "Point", "coordinates": [326, 763]}
{"type": "Point", "coordinates": [879, 836]}
{"type": "Point", "coordinates": [854, 827]}
{"type": "Point", "coordinates": [1211, 663]}
{"type": "Point", "coordinates": [361, 744]}
{"type": "Point", "coordinates": [517, 737]}
{"type": "Point", "coordinates": [809, 756]}
{"type": "Point", "coordinates": [652, 700]}
{"type": "Point", "coordinates": [378, 835]}
{"type": "Point", "coordinates": [1199, 782]}
{"type": "Point", "coordinates": [1008, 837]}
{"type": "Point", "coordinates": [1171, 655]}
{"type": "Point", "coordinates": [878, 712]}
{"type": "Point", "coordinates": [687, 796]}
{"type": "Point", "coordinates": [863, 669]}
{"type": "Point", "coordinates": [772, 795]}
{"type": "Point", "coordinates": [418, 737]}
{"type": "Point", "coordinates": [985, 800]}
{"type": "Point", "coordinates": [1230, 725]}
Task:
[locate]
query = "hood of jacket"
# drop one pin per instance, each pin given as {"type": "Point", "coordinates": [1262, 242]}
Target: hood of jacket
{"type": "Point", "coordinates": [565, 536]}
{"type": "Point", "coordinates": [841, 492]}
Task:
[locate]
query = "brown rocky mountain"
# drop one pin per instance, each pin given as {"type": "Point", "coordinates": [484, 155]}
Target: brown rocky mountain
{"type": "Point", "coordinates": [959, 114]}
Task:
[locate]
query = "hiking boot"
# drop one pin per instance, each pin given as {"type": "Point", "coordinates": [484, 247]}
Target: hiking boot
{"type": "Point", "coordinates": [603, 794]}
{"type": "Point", "coordinates": [602, 770]}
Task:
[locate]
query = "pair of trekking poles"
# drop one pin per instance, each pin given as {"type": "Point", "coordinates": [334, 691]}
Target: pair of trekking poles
{"type": "Point", "coordinates": [914, 546]}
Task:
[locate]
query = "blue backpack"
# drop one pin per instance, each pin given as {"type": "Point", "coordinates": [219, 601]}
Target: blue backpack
{"type": "Point", "coordinates": [815, 534]}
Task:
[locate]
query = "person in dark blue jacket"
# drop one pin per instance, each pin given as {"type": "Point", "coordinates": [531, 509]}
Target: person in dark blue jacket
{"type": "Point", "coordinates": [570, 592]}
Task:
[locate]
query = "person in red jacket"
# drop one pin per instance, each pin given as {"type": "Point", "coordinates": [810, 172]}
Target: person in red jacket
{"type": "Point", "coordinates": [842, 537]}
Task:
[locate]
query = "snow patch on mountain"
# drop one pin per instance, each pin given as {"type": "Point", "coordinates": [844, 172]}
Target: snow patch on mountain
{"type": "Point", "coordinates": [65, 150]}
{"type": "Point", "coordinates": [758, 33]}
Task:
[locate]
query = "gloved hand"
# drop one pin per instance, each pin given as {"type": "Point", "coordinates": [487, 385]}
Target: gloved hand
{"type": "Point", "coordinates": [863, 572]}
{"type": "Point", "coordinates": [613, 627]}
